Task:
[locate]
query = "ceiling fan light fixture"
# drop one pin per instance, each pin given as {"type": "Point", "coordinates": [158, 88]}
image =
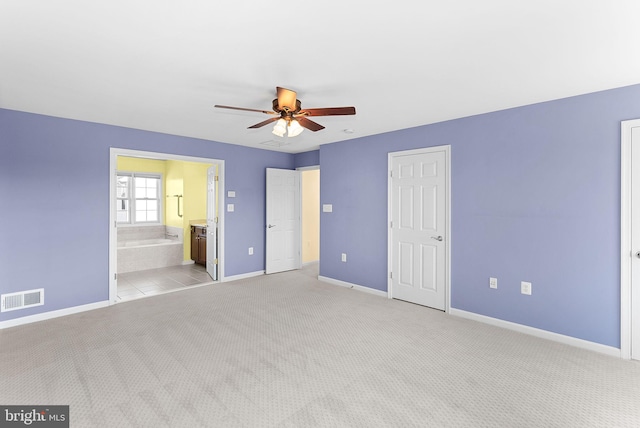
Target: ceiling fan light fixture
{"type": "Point", "coordinates": [289, 116]}
{"type": "Point", "coordinates": [280, 128]}
{"type": "Point", "coordinates": [294, 128]}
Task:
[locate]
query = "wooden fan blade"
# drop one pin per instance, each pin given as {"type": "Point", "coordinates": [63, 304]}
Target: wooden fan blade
{"type": "Point", "coordinates": [264, 122]}
{"type": "Point", "coordinates": [286, 98]}
{"type": "Point", "coordinates": [309, 124]}
{"type": "Point", "coordinates": [246, 109]}
{"type": "Point", "coordinates": [329, 111]}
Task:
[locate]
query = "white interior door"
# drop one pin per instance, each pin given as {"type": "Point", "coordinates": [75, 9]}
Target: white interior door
{"type": "Point", "coordinates": [283, 220]}
{"type": "Point", "coordinates": [212, 222]}
{"type": "Point", "coordinates": [635, 242]}
{"type": "Point", "coordinates": [419, 200]}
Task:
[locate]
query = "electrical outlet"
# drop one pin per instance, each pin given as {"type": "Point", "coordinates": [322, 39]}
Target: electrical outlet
{"type": "Point", "coordinates": [493, 282]}
{"type": "Point", "coordinates": [344, 257]}
{"type": "Point", "coordinates": [251, 251]}
{"type": "Point", "coordinates": [525, 288]}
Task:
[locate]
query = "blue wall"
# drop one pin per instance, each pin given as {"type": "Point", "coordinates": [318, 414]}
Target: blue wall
{"type": "Point", "coordinates": [535, 197]}
{"type": "Point", "coordinates": [311, 158]}
{"type": "Point", "coordinates": [54, 182]}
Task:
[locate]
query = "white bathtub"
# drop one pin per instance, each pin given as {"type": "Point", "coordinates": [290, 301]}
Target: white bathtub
{"type": "Point", "coordinates": [144, 254]}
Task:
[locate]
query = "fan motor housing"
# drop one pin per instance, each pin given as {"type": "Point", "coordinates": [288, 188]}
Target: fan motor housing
{"type": "Point", "coordinates": [276, 107]}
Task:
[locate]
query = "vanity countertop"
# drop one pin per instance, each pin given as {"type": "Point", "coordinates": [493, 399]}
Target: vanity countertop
{"type": "Point", "coordinates": [198, 223]}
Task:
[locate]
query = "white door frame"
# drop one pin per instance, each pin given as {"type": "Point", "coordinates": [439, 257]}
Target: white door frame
{"type": "Point", "coordinates": [114, 152]}
{"type": "Point", "coordinates": [391, 156]}
{"type": "Point", "coordinates": [626, 252]}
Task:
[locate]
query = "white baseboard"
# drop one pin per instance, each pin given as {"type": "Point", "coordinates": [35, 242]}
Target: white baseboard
{"type": "Point", "coordinates": [188, 262]}
{"type": "Point", "coordinates": [52, 314]}
{"type": "Point", "coordinates": [350, 285]}
{"type": "Point", "coordinates": [242, 276]}
{"type": "Point", "coordinates": [312, 262]}
{"type": "Point", "coordinates": [543, 334]}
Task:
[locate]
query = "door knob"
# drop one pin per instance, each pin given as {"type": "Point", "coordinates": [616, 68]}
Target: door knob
{"type": "Point", "coordinates": [271, 225]}
{"type": "Point", "coordinates": [439, 238]}
{"type": "Point", "coordinates": [638, 254]}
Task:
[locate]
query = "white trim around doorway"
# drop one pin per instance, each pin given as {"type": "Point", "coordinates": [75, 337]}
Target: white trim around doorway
{"type": "Point", "coordinates": [114, 152]}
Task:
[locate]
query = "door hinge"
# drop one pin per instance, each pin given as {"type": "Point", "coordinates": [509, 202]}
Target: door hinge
{"type": "Point", "coordinates": [391, 173]}
{"type": "Point", "coordinates": [390, 275]}
{"type": "Point", "coordinates": [216, 178]}
{"type": "Point", "coordinates": [115, 276]}
{"type": "Point", "coordinates": [391, 224]}
{"type": "Point", "coordinates": [216, 220]}
{"type": "Point", "coordinates": [215, 261]}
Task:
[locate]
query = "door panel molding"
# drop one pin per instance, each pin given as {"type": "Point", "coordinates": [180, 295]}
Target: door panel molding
{"type": "Point", "coordinates": [391, 246]}
{"type": "Point", "coordinates": [282, 220]}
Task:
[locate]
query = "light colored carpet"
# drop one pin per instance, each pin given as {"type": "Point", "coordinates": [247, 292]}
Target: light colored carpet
{"type": "Point", "coordinates": [286, 350]}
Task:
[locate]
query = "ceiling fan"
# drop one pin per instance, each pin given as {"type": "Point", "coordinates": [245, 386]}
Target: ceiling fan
{"type": "Point", "coordinates": [289, 115]}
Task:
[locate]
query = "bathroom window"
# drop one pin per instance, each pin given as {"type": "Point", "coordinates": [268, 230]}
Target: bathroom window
{"type": "Point", "coordinates": [138, 197]}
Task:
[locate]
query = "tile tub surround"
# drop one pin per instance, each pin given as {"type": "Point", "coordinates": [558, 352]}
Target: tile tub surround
{"type": "Point", "coordinates": [138, 233]}
{"type": "Point", "coordinates": [156, 247]}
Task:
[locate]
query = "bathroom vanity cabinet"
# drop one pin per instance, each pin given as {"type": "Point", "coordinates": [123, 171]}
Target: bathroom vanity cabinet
{"type": "Point", "coordinates": [199, 244]}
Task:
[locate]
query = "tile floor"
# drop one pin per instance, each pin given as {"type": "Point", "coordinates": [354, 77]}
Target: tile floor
{"type": "Point", "coordinates": [133, 285]}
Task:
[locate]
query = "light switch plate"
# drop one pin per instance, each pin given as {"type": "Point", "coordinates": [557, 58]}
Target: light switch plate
{"type": "Point", "coordinates": [327, 208]}
{"type": "Point", "coordinates": [230, 208]}
{"type": "Point", "coordinates": [493, 282]}
{"type": "Point", "coordinates": [525, 288]}
{"type": "Point", "coordinates": [231, 194]}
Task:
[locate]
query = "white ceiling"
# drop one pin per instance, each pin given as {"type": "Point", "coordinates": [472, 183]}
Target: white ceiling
{"type": "Point", "coordinates": [162, 65]}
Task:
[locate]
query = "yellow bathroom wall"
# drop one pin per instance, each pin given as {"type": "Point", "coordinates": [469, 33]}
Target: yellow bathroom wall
{"type": "Point", "coordinates": [188, 179]}
{"type": "Point", "coordinates": [125, 163]}
{"type": "Point", "coordinates": [195, 197]}
{"type": "Point", "coordinates": [174, 186]}
{"type": "Point", "coordinates": [310, 215]}
{"type": "Point", "coordinates": [195, 179]}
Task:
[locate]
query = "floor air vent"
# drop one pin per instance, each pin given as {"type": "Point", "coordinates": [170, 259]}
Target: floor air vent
{"type": "Point", "coordinates": [22, 300]}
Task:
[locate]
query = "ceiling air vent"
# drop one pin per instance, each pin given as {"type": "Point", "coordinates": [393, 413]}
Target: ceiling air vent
{"type": "Point", "coordinates": [22, 300]}
{"type": "Point", "coordinates": [274, 143]}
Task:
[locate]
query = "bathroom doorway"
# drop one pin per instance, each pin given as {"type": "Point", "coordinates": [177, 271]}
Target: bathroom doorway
{"type": "Point", "coordinates": [152, 217]}
{"type": "Point", "coordinates": [310, 215]}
